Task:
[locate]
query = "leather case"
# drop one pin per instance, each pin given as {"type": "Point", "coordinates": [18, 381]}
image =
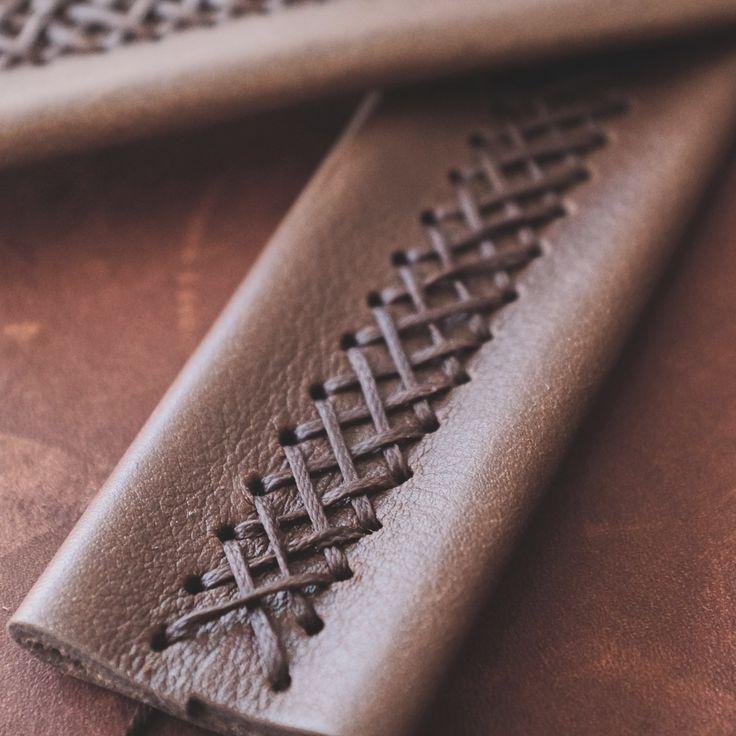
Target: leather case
{"type": "Point", "coordinates": [417, 420]}
{"type": "Point", "coordinates": [219, 58]}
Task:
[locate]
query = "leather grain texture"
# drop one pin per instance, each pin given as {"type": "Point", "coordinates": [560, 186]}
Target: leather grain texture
{"type": "Point", "coordinates": [201, 75]}
{"type": "Point", "coordinates": [616, 613]}
{"type": "Point", "coordinates": [464, 505]}
{"type": "Point", "coordinates": [114, 266]}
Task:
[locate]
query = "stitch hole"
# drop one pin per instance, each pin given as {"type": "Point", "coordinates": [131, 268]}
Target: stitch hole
{"type": "Point", "coordinates": [313, 625]}
{"type": "Point", "coordinates": [535, 251]}
{"type": "Point", "coordinates": [455, 176]}
{"type": "Point", "coordinates": [431, 424]}
{"type": "Point", "coordinates": [282, 682]}
{"type": "Point", "coordinates": [193, 584]}
{"type": "Point", "coordinates": [195, 708]}
{"type": "Point", "coordinates": [428, 217]}
{"type": "Point", "coordinates": [477, 140]}
{"type": "Point", "coordinates": [402, 475]}
{"type": "Point", "coordinates": [461, 377]}
{"type": "Point", "coordinates": [345, 573]}
{"type": "Point", "coordinates": [400, 258]}
{"type": "Point", "coordinates": [374, 299]}
{"type": "Point", "coordinates": [317, 392]}
{"type": "Point", "coordinates": [287, 437]}
{"type": "Point", "coordinates": [255, 485]}
{"type": "Point", "coordinates": [585, 174]}
{"type": "Point", "coordinates": [225, 533]}
{"type": "Point", "coordinates": [348, 340]}
{"type": "Point", "coordinates": [510, 296]}
{"type": "Point", "coordinates": [159, 641]}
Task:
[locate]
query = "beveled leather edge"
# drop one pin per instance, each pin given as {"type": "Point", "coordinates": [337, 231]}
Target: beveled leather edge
{"type": "Point", "coordinates": [258, 63]}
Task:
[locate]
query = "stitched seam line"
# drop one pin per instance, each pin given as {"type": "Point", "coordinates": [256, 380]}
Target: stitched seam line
{"type": "Point", "coordinates": [510, 191]}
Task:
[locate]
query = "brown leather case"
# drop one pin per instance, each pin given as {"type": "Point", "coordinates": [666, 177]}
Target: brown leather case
{"type": "Point", "coordinates": [222, 57]}
{"type": "Point", "coordinates": [391, 627]}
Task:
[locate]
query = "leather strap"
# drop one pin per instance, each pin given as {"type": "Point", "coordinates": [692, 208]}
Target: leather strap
{"type": "Point", "coordinates": [267, 53]}
{"type": "Point", "coordinates": [301, 534]}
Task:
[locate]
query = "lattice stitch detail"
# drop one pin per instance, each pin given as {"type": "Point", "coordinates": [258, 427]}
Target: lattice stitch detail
{"type": "Point", "coordinates": [411, 354]}
{"type": "Point", "coordinates": [38, 31]}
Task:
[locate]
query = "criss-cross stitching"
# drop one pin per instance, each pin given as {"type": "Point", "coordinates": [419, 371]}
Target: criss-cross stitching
{"type": "Point", "coordinates": [38, 31]}
{"type": "Point", "coordinates": [423, 328]}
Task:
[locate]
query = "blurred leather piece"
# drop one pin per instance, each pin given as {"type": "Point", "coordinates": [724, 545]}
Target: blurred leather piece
{"type": "Point", "coordinates": [616, 614]}
{"type": "Point", "coordinates": [121, 570]}
{"type": "Point", "coordinates": [198, 76]}
{"type": "Point", "coordinates": [114, 266]}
